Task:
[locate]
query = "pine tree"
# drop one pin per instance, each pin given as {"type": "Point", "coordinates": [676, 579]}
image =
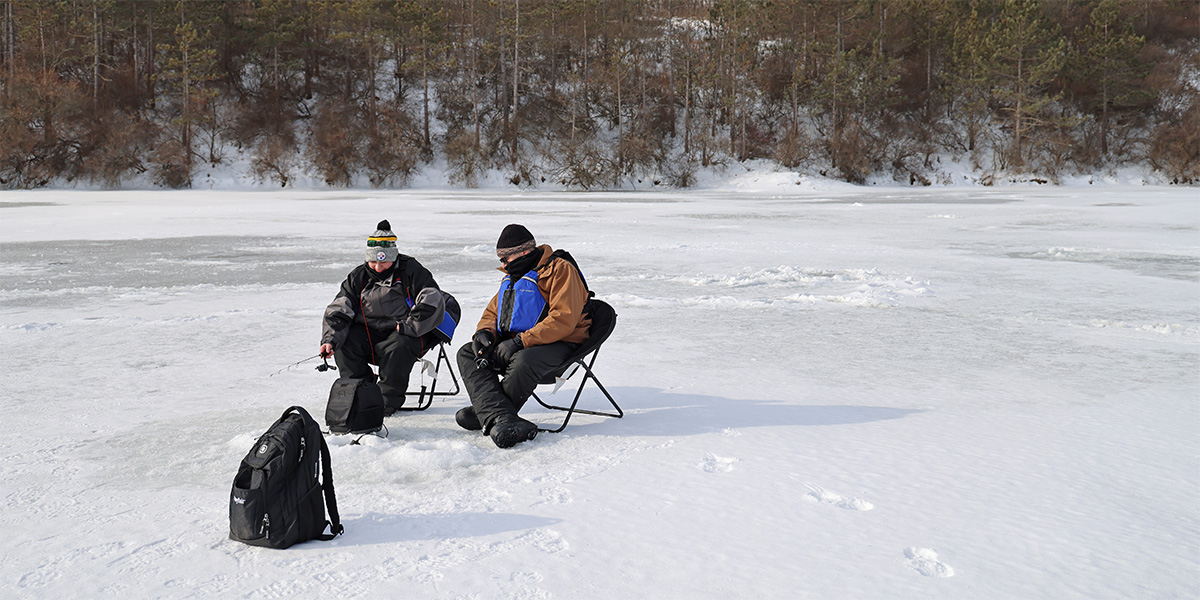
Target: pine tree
{"type": "Point", "coordinates": [422, 26]}
{"type": "Point", "coordinates": [189, 68]}
{"type": "Point", "coordinates": [1024, 55]}
{"type": "Point", "coordinates": [1108, 58]}
{"type": "Point", "coordinates": [967, 90]}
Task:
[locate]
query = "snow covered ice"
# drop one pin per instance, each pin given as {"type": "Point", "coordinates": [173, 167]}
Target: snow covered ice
{"type": "Point", "coordinates": [835, 392]}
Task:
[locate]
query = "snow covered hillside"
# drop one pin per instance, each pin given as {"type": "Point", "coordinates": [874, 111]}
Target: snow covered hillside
{"type": "Point", "coordinates": [829, 393]}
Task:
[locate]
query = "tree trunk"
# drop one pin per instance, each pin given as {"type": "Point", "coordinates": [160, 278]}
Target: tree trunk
{"type": "Point", "coordinates": [308, 63]}
{"type": "Point", "coordinates": [275, 59]}
{"type": "Point", "coordinates": [474, 79]}
{"type": "Point", "coordinates": [620, 127]}
{"type": "Point", "coordinates": [1020, 105]}
{"type": "Point", "coordinates": [837, 116]}
{"type": "Point", "coordinates": [95, 55]}
{"type": "Point", "coordinates": [687, 107]}
{"type": "Point", "coordinates": [500, 92]}
{"type": "Point", "coordinates": [1104, 104]}
{"type": "Point", "coordinates": [11, 56]}
{"type": "Point", "coordinates": [187, 111]}
{"type": "Point", "coordinates": [553, 53]}
{"type": "Point", "coordinates": [150, 55]}
{"type": "Point", "coordinates": [42, 38]}
{"type": "Point", "coordinates": [425, 94]}
{"type": "Point", "coordinates": [1104, 119]}
{"type": "Point", "coordinates": [516, 80]}
{"type": "Point", "coordinates": [586, 74]}
{"type": "Point", "coordinates": [137, 82]}
{"type": "Point", "coordinates": [671, 72]}
{"type": "Point", "coordinates": [372, 105]}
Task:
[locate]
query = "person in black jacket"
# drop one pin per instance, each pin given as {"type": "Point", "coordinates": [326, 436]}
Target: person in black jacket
{"type": "Point", "coordinates": [385, 314]}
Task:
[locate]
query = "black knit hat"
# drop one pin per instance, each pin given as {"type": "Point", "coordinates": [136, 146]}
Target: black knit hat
{"type": "Point", "coordinates": [515, 238]}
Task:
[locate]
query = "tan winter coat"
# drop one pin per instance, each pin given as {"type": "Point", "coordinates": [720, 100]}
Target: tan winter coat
{"type": "Point", "coordinates": [565, 295]}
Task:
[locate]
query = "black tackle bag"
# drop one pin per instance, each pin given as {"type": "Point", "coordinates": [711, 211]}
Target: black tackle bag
{"type": "Point", "coordinates": [278, 496]}
{"type": "Point", "coordinates": [355, 406]}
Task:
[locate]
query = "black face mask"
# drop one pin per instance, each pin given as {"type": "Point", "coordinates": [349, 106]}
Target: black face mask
{"type": "Point", "coordinates": [381, 276]}
{"type": "Point", "coordinates": [523, 265]}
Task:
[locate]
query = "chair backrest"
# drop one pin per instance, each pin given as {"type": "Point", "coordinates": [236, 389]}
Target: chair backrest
{"type": "Point", "coordinates": [604, 320]}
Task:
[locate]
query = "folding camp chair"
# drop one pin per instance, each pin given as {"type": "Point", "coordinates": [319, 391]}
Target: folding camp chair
{"type": "Point", "coordinates": [424, 399]}
{"type": "Point", "coordinates": [604, 319]}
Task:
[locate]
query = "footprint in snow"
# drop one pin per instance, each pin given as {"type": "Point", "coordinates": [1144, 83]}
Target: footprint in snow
{"type": "Point", "coordinates": [716, 464]}
{"type": "Point", "coordinates": [819, 494]}
{"type": "Point", "coordinates": [555, 495]}
{"type": "Point", "coordinates": [925, 561]}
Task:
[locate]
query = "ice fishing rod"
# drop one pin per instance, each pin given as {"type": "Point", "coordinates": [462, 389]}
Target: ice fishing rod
{"type": "Point", "coordinates": [324, 366]}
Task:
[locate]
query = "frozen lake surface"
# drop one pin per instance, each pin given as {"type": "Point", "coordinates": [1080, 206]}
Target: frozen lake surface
{"type": "Point", "coordinates": [839, 393]}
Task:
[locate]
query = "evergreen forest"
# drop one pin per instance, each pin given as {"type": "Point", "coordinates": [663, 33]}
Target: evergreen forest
{"type": "Point", "coordinates": [595, 94]}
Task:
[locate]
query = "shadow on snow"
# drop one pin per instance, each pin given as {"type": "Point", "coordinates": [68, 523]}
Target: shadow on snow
{"type": "Point", "coordinates": [651, 411]}
{"type": "Point", "coordinates": [389, 528]}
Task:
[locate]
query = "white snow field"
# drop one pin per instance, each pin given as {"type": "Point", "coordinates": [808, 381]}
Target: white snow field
{"type": "Point", "coordinates": [837, 392]}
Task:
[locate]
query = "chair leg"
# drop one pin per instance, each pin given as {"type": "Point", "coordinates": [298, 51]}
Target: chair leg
{"type": "Point", "coordinates": [571, 410]}
{"type": "Point", "coordinates": [425, 398]}
{"type": "Point", "coordinates": [442, 358]}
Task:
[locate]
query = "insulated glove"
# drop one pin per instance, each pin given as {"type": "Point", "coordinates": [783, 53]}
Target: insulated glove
{"type": "Point", "coordinates": [508, 348]}
{"type": "Point", "coordinates": [482, 345]}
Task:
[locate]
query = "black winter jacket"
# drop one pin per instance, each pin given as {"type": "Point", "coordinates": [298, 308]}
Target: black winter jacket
{"type": "Point", "coordinates": [382, 302]}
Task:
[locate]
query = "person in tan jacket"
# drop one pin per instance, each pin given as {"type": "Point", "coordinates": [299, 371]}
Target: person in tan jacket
{"type": "Point", "coordinates": [529, 328]}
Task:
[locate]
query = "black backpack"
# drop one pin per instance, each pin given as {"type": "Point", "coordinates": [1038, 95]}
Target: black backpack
{"type": "Point", "coordinates": [278, 498]}
{"type": "Point", "coordinates": [355, 406]}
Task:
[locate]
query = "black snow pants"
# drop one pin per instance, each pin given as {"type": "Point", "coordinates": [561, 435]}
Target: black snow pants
{"type": "Point", "coordinates": [492, 398]}
{"type": "Point", "coordinates": [394, 352]}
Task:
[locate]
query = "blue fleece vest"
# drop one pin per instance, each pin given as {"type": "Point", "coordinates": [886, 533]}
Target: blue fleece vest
{"type": "Point", "coordinates": [519, 304]}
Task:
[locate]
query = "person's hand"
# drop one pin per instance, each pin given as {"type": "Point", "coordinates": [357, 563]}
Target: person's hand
{"type": "Point", "coordinates": [481, 343]}
{"type": "Point", "coordinates": [508, 349]}
{"type": "Point", "coordinates": [326, 351]}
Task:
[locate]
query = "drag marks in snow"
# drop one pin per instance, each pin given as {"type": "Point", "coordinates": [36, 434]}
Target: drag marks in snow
{"type": "Point", "coordinates": [925, 561]}
{"type": "Point", "coordinates": [1172, 266]}
{"type": "Point", "coordinates": [31, 326]}
{"type": "Point", "coordinates": [785, 285]}
{"type": "Point", "coordinates": [1158, 328]}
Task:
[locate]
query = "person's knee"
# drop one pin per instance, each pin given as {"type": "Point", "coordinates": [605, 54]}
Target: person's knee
{"type": "Point", "coordinates": [533, 363]}
{"type": "Point", "coordinates": [466, 356]}
{"type": "Point", "coordinates": [520, 364]}
{"type": "Point", "coordinates": [520, 377]}
{"type": "Point", "coordinates": [406, 345]}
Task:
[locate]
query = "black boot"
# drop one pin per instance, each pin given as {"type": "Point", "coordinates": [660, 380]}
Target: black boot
{"type": "Point", "coordinates": [391, 405]}
{"type": "Point", "coordinates": [510, 431]}
{"type": "Point", "coordinates": [465, 417]}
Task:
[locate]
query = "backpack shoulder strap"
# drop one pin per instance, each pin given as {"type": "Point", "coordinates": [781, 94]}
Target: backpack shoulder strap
{"type": "Point", "coordinates": [335, 523]}
{"type": "Point", "coordinates": [563, 254]}
{"type": "Point", "coordinates": [298, 410]}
